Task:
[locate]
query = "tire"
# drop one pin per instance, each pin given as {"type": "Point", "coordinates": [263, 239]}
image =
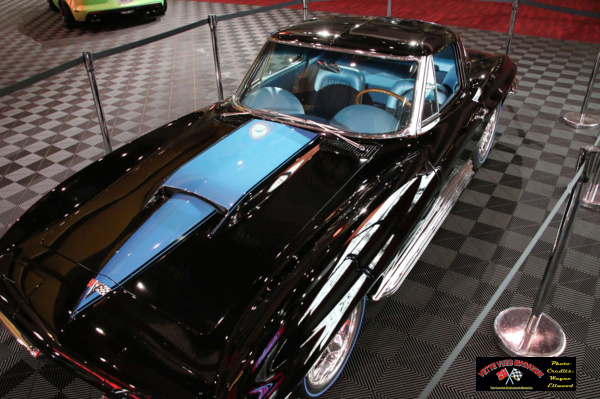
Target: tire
{"type": "Point", "coordinates": [164, 10]}
{"type": "Point", "coordinates": [313, 385]}
{"type": "Point", "coordinates": [486, 142]}
{"type": "Point", "coordinates": [67, 16]}
{"type": "Point", "coordinates": [52, 6]}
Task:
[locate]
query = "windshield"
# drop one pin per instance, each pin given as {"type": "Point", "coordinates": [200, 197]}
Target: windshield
{"type": "Point", "coordinates": [351, 92]}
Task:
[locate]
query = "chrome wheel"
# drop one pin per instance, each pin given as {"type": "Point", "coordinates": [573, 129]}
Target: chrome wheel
{"type": "Point", "coordinates": [331, 362]}
{"type": "Point", "coordinates": [487, 138]}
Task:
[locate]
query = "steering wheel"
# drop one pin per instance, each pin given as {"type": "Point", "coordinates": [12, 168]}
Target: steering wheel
{"type": "Point", "coordinates": [389, 93]}
{"type": "Point", "coordinates": [443, 89]}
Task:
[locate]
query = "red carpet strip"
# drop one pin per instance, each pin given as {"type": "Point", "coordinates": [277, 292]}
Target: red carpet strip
{"type": "Point", "coordinates": [487, 15]}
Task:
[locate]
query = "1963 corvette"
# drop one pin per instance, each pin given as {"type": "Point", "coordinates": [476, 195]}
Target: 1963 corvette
{"type": "Point", "coordinates": [230, 253]}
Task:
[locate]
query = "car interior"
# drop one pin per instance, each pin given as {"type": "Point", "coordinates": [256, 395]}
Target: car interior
{"type": "Point", "coordinates": [353, 92]}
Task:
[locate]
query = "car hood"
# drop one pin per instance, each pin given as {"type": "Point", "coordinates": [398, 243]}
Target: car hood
{"type": "Point", "coordinates": [197, 196]}
{"type": "Point", "coordinates": [193, 235]}
{"type": "Point", "coordinates": [154, 259]}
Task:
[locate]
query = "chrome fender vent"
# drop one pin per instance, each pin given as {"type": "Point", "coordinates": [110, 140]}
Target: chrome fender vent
{"type": "Point", "coordinates": [341, 147]}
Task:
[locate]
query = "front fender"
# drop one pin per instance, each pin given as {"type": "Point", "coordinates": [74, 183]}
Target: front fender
{"type": "Point", "coordinates": [295, 340]}
{"type": "Point", "coordinates": [301, 310]}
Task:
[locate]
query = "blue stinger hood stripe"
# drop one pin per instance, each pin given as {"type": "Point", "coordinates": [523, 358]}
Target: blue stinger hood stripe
{"type": "Point", "coordinates": [223, 173]}
{"type": "Point", "coordinates": [169, 224]}
{"type": "Point", "coordinates": [231, 167]}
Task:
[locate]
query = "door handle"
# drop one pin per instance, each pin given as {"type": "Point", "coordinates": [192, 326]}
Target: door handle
{"type": "Point", "coordinates": [481, 114]}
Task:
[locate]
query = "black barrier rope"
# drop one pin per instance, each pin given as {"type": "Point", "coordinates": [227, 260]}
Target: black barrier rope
{"type": "Point", "coordinates": [160, 36]}
{"type": "Point", "coordinates": [148, 40]}
{"type": "Point", "coordinates": [106, 53]}
{"type": "Point", "coordinates": [565, 10]}
{"type": "Point", "coordinates": [550, 7]}
{"type": "Point", "coordinates": [39, 77]}
{"type": "Point", "coordinates": [441, 371]}
{"type": "Point", "coordinates": [116, 50]}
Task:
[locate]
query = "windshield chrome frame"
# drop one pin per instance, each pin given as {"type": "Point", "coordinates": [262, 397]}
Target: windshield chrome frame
{"type": "Point", "coordinates": [424, 123]}
{"type": "Point", "coordinates": [418, 97]}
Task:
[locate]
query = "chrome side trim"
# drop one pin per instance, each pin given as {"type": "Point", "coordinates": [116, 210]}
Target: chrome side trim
{"type": "Point", "coordinates": [408, 256]}
{"type": "Point", "coordinates": [477, 95]}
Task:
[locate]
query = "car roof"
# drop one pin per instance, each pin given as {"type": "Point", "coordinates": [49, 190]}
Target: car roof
{"type": "Point", "coordinates": [393, 36]}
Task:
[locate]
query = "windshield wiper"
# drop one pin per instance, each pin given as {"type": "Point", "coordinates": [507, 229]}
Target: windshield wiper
{"type": "Point", "coordinates": [322, 127]}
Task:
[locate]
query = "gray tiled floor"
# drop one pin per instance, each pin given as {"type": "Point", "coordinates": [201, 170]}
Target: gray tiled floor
{"type": "Point", "coordinates": [48, 131]}
{"type": "Point", "coordinates": [34, 39]}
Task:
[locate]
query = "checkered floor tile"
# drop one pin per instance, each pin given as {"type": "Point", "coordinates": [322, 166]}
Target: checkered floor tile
{"type": "Point", "coordinates": [49, 131]}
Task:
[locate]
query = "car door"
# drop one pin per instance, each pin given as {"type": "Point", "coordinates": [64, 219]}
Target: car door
{"type": "Point", "coordinates": [442, 175]}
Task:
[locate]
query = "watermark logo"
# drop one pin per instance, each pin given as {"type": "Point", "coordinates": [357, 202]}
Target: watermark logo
{"type": "Point", "coordinates": [526, 374]}
{"type": "Point", "coordinates": [515, 375]}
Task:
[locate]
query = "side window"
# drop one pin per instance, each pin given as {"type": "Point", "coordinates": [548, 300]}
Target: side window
{"type": "Point", "coordinates": [446, 73]}
{"type": "Point", "coordinates": [280, 68]}
{"type": "Point", "coordinates": [284, 57]}
{"type": "Point", "coordinates": [430, 106]}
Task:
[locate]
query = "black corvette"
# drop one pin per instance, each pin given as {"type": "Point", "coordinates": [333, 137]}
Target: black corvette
{"type": "Point", "coordinates": [230, 253]}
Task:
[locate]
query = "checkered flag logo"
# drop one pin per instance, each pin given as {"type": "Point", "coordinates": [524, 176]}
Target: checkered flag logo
{"type": "Point", "coordinates": [516, 374]}
{"type": "Point", "coordinates": [96, 286]}
{"type": "Point", "coordinates": [502, 374]}
{"type": "Point", "coordinates": [101, 289]}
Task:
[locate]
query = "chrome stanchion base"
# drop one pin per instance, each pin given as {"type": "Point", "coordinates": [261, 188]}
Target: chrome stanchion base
{"type": "Point", "coordinates": [592, 205]}
{"type": "Point", "coordinates": [573, 119]}
{"type": "Point", "coordinates": [591, 189]}
{"type": "Point", "coordinates": [509, 327]}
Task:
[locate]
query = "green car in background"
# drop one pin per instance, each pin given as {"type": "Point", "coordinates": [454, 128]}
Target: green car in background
{"type": "Point", "coordinates": [74, 11]}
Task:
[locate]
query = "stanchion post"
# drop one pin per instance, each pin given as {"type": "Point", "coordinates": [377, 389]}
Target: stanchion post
{"type": "Point", "coordinates": [212, 22]}
{"type": "Point", "coordinates": [305, 9]}
{"type": "Point", "coordinates": [389, 13]}
{"type": "Point", "coordinates": [529, 332]}
{"type": "Point", "coordinates": [511, 31]}
{"type": "Point", "coordinates": [552, 333]}
{"type": "Point", "coordinates": [582, 120]}
{"type": "Point", "coordinates": [88, 60]}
